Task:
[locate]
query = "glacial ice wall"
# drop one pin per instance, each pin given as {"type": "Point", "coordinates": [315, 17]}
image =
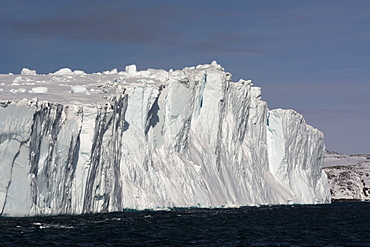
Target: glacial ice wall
{"type": "Point", "coordinates": [185, 138]}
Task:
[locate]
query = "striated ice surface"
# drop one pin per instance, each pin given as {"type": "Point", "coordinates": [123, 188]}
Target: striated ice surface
{"type": "Point", "coordinates": [150, 139]}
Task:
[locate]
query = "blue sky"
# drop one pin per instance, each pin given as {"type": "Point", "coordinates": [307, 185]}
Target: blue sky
{"type": "Point", "coordinates": [309, 55]}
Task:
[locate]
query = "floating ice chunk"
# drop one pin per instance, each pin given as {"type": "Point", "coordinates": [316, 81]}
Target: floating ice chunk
{"type": "Point", "coordinates": [26, 71]}
{"type": "Point", "coordinates": [39, 90]}
{"type": "Point", "coordinates": [131, 70]}
{"type": "Point", "coordinates": [64, 71]}
{"type": "Point", "coordinates": [78, 89]}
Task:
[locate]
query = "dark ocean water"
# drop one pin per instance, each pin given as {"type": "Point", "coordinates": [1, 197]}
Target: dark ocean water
{"type": "Point", "coordinates": [338, 224]}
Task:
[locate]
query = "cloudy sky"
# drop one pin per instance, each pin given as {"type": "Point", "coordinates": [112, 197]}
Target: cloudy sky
{"type": "Point", "coordinates": [309, 55]}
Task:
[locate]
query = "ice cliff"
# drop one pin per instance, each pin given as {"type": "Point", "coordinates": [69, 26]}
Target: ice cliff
{"type": "Point", "coordinates": [73, 143]}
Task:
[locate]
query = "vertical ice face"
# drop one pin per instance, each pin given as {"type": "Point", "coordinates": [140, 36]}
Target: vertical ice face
{"type": "Point", "coordinates": [295, 149]}
{"type": "Point", "coordinates": [15, 126]}
{"type": "Point", "coordinates": [168, 139]}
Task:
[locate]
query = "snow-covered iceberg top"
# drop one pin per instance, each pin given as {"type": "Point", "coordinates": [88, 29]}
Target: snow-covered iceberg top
{"type": "Point", "coordinates": [65, 85]}
{"type": "Point", "coordinates": [72, 143]}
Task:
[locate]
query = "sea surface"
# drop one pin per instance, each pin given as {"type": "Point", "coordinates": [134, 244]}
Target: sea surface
{"type": "Point", "coordinates": [337, 224]}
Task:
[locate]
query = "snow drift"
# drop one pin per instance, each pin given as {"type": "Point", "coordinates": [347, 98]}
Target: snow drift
{"type": "Point", "coordinates": [150, 140]}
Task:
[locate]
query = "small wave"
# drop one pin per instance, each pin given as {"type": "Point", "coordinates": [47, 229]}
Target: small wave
{"type": "Point", "coordinates": [116, 219]}
{"type": "Point", "coordinates": [56, 226]}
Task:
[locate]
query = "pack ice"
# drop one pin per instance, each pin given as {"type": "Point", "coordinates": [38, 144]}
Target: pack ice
{"type": "Point", "coordinates": [73, 143]}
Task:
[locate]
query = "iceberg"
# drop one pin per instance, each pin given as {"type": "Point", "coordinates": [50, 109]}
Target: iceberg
{"type": "Point", "coordinates": [151, 139]}
{"type": "Point", "coordinates": [348, 176]}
